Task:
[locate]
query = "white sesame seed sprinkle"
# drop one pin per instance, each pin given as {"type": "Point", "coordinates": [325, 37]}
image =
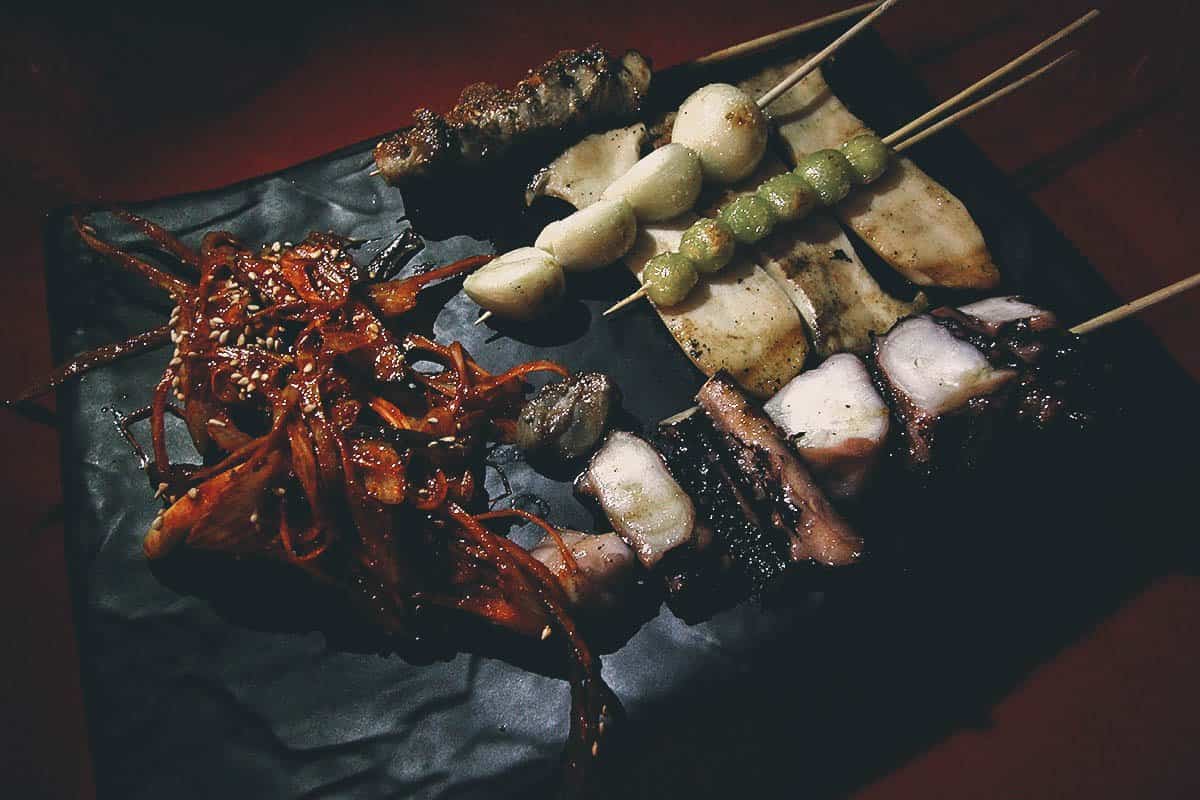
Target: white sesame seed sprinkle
{"type": "Point", "coordinates": [193, 493]}
{"type": "Point", "coordinates": [216, 423]}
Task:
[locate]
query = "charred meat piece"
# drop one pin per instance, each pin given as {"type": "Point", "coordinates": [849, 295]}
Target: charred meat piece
{"type": "Point", "coordinates": [836, 420]}
{"type": "Point", "coordinates": [567, 417]}
{"type": "Point", "coordinates": [604, 566]}
{"type": "Point", "coordinates": [777, 479]}
{"type": "Point", "coordinates": [756, 552]}
{"type": "Point", "coordinates": [576, 89]}
{"type": "Point", "coordinates": [931, 374]}
{"type": "Point", "coordinates": [630, 482]}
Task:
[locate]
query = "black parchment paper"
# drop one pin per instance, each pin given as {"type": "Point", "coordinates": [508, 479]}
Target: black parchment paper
{"type": "Point", "coordinates": [196, 693]}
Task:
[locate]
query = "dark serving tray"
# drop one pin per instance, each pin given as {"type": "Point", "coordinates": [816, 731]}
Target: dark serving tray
{"type": "Point", "coordinates": [202, 687]}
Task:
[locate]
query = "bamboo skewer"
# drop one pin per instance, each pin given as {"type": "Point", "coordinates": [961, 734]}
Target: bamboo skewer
{"type": "Point", "coordinates": [779, 37]}
{"type": "Point", "coordinates": [1095, 323]}
{"type": "Point", "coordinates": [982, 102]}
{"type": "Point", "coordinates": [993, 76]}
{"type": "Point", "coordinates": [791, 80]}
{"type": "Point", "coordinates": [772, 94]}
{"type": "Point", "coordinates": [1137, 306]}
{"type": "Point", "coordinates": [912, 140]}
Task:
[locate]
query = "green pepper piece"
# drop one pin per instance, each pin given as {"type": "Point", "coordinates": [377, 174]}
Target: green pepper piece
{"type": "Point", "coordinates": [790, 196]}
{"type": "Point", "coordinates": [868, 157]}
{"type": "Point", "coordinates": [749, 217]}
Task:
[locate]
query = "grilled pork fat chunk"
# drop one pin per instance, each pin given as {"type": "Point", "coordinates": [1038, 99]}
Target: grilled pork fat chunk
{"type": "Point", "coordinates": [605, 567]}
{"type": "Point", "coordinates": [777, 478]}
{"type": "Point", "coordinates": [992, 313]}
{"type": "Point", "coordinates": [836, 420]}
{"type": "Point", "coordinates": [576, 89]}
{"type": "Point", "coordinates": [584, 170]}
{"type": "Point", "coordinates": [643, 502]}
{"type": "Point", "coordinates": [918, 227]}
{"type": "Point", "coordinates": [930, 373]}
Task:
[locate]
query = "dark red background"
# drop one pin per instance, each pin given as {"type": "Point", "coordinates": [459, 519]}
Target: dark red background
{"type": "Point", "coordinates": [132, 104]}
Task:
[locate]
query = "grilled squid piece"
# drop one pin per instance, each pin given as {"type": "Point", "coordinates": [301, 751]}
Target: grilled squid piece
{"type": "Point", "coordinates": [931, 374]}
{"type": "Point", "coordinates": [738, 320]}
{"type": "Point", "coordinates": [778, 479]}
{"type": "Point", "coordinates": [630, 482]}
{"type": "Point", "coordinates": [581, 174]}
{"type": "Point", "coordinates": [837, 421]}
{"type": "Point", "coordinates": [915, 225]}
{"type": "Point", "coordinates": [603, 569]}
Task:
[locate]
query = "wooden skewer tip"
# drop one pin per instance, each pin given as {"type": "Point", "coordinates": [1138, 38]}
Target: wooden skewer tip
{"type": "Point", "coordinates": [991, 77]}
{"type": "Point", "coordinates": [981, 103]}
{"type": "Point", "coordinates": [773, 94]}
{"type": "Point", "coordinates": [484, 317]}
{"type": "Point", "coordinates": [761, 43]}
{"type": "Point", "coordinates": [633, 298]}
{"type": "Point", "coordinates": [1136, 306]}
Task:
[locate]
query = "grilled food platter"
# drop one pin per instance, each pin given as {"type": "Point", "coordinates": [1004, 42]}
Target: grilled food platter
{"type": "Point", "coordinates": [824, 606]}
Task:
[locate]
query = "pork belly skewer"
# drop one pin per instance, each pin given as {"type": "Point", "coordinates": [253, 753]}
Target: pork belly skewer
{"type": "Point", "coordinates": [575, 90]}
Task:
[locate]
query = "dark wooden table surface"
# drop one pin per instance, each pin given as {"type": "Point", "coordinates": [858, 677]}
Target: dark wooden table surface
{"type": "Point", "coordinates": [128, 105]}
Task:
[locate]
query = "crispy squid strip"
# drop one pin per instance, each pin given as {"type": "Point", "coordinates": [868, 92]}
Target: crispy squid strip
{"type": "Point", "coordinates": [152, 274]}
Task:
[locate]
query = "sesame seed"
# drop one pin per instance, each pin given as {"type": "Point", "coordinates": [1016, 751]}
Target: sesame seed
{"type": "Point", "coordinates": [214, 334]}
{"type": "Point", "coordinates": [252, 276]}
{"type": "Point", "coordinates": [309, 367]}
{"type": "Point", "coordinates": [447, 439]}
{"type": "Point", "coordinates": [175, 362]}
{"type": "Point", "coordinates": [250, 387]}
{"type": "Point", "coordinates": [254, 518]}
{"type": "Point", "coordinates": [243, 382]}
{"type": "Point", "coordinates": [310, 408]}
{"type": "Point", "coordinates": [275, 248]}
{"type": "Point", "coordinates": [216, 423]}
{"type": "Point", "coordinates": [433, 420]}
{"type": "Point", "coordinates": [279, 490]}
{"type": "Point", "coordinates": [241, 340]}
{"type": "Point", "coordinates": [193, 493]}
{"type": "Point", "coordinates": [595, 749]}
{"type": "Point", "coordinates": [216, 321]}
{"type": "Point", "coordinates": [235, 376]}
{"type": "Point", "coordinates": [224, 337]}
{"type": "Point", "coordinates": [546, 633]}
{"type": "Point", "coordinates": [253, 307]}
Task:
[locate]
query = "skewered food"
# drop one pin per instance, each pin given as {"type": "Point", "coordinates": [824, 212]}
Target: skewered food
{"type": "Point", "coordinates": [694, 455]}
{"type": "Point", "coordinates": [567, 417]}
{"type": "Point", "coordinates": [660, 186]}
{"type": "Point", "coordinates": [794, 504]}
{"type": "Point", "coordinates": [789, 196]}
{"type": "Point", "coordinates": [737, 320]}
{"type": "Point", "coordinates": [575, 90]}
{"type": "Point", "coordinates": [593, 569]}
{"type": "Point", "coordinates": [748, 217]}
{"type": "Point", "coordinates": [913, 223]}
{"type": "Point", "coordinates": [725, 128]}
{"type": "Point", "coordinates": [629, 481]}
{"type": "Point", "coordinates": [669, 277]}
{"type": "Point", "coordinates": [867, 156]}
{"type": "Point", "coordinates": [708, 244]}
{"type": "Point", "coordinates": [520, 284]}
{"type": "Point", "coordinates": [585, 169]}
{"type": "Point", "coordinates": [841, 303]}
{"type": "Point", "coordinates": [836, 420]}
{"type": "Point", "coordinates": [930, 374]}
{"type": "Point", "coordinates": [592, 237]}
{"type": "Point", "coordinates": [992, 313]}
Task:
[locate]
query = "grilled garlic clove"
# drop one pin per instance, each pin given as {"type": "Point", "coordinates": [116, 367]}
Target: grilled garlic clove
{"type": "Point", "coordinates": [520, 285]}
{"type": "Point", "coordinates": [662, 185]}
{"type": "Point", "coordinates": [725, 128]}
{"type": "Point", "coordinates": [592, 237]}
